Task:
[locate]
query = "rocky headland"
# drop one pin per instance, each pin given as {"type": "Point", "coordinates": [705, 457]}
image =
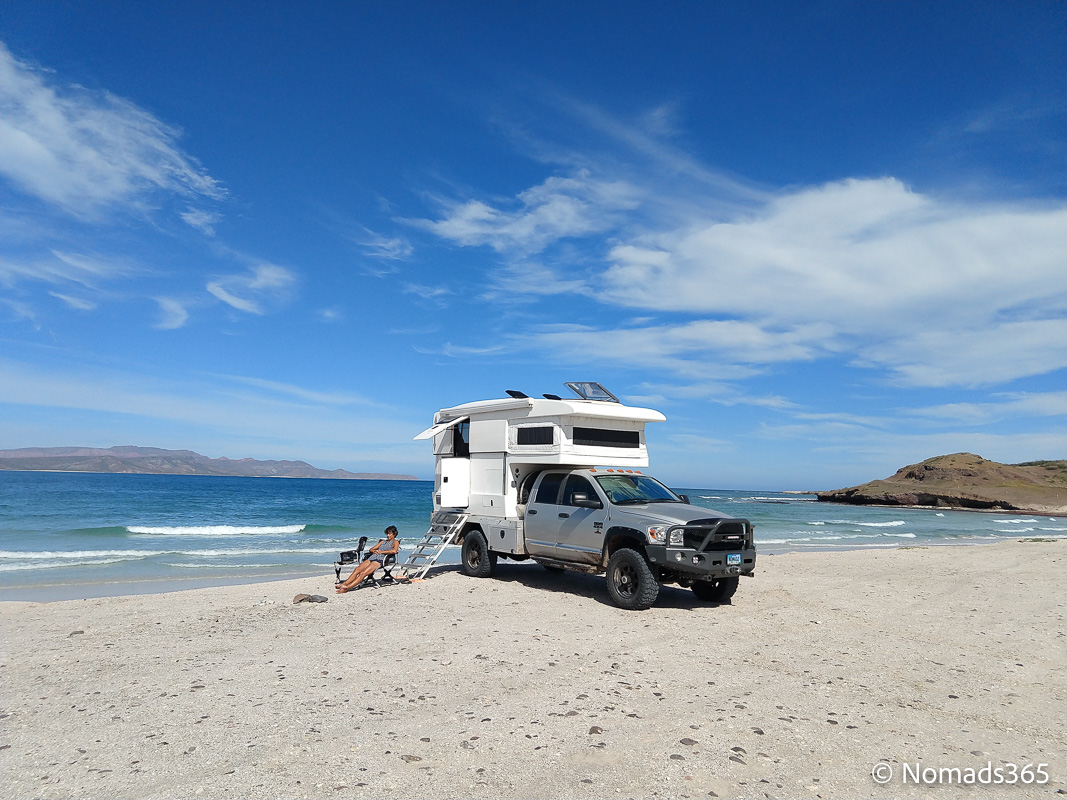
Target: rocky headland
{"type": "Point", "coordinates": [964, 480]}
{"type": "Point", "coordinates": [157, 461]}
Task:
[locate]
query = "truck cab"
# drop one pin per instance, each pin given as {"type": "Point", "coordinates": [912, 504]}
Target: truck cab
{"type": "Point", "coordinates": [527, 478]}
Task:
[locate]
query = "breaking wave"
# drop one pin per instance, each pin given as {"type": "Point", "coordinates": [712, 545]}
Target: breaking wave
{"type": "Point", "coordinates": [215, 530]}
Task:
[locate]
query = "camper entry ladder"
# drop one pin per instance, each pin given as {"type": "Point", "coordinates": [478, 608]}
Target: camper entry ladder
{"type": "Point", "coordinates": [445, 526]}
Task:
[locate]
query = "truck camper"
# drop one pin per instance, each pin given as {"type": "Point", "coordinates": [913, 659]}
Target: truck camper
{"type": "Point", "coordinates": [564, 482]}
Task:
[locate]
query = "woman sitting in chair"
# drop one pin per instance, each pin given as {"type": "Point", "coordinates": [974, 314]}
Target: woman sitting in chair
{"type": "Point", "coordinates": [389, 546]}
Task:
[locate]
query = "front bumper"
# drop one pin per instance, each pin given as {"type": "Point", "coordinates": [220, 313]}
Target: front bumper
{"type": "Point", "coordinates": [703, 565]}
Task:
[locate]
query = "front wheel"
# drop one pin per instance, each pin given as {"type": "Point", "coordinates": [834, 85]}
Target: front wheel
{"type": "Point", "coordinates": [717, 591]}
{"type": "Point", "coordinates": [631, 583]}
{"type": "Point", "coordinates": [476, 560]}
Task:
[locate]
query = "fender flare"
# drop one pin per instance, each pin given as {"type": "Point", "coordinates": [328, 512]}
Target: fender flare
{"type": "Point", "coordinates": [620, 536]}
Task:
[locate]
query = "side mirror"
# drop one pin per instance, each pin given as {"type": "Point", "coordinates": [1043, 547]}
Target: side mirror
{"type": "Point", "coordinates": [581, 499]}
{"type": "Point", "coordinates": [685, 499]}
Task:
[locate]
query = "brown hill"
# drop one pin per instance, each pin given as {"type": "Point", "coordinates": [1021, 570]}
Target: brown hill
{"type": "Point", "coordinates": [964, 480]}
{"type": "Point", "coordinates": [157, 461]}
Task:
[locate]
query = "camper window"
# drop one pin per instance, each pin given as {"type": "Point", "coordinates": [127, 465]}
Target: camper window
{"type": "Point", "coordinates": [461, 440]}
{"type": "Point", "coordinates": [541, 434]}
{"type": "Point", "coordinates": [602, 437]}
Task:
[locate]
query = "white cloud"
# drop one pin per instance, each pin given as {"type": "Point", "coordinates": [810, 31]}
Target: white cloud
{"type": "Point", "coordinates": [78, 303]}
{"type": "Point", "coordinates": [248, 292]}
{"type": "Point", "coordinates": [203, 221]}
{"type": "Point", "coordinates": [85, 151]}
{"type": "Point", "coordinates": [427, 292]}
{"type": "Point", "coordinates": [302, 393]}
{"type": "Point", "coordinates": [558, 208]}
{"type": "Point", "coordinates": [87, 271]}
{"type": "Point", "coordinates": [937, 293]}
{"type": "Point", "coordinates": [1006, 406]}
{"type": "Point", "coordinates": [173, 314]}
{"type": "Point", "coordinates": [386, 248]}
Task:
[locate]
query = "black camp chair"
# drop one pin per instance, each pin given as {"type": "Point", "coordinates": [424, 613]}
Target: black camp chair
{"type": "Point", "coordinates": [387, 578]}
{"type": "Point", "coordinates": [350, 557]}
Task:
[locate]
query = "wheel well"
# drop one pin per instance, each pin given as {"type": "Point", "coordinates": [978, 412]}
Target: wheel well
{"type": "Point", "coordinates": [470, 526]}
{"type": "Point", "coordinates": [621, 537]}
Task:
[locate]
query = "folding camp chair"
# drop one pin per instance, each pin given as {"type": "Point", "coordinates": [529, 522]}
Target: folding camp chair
{"type": "Point", "coordinates": [350, 557]}
{"type": "Point", "coordinates": [386, 578]}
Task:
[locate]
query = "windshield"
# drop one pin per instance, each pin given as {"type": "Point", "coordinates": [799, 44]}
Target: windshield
{"type": "Point", "coordinates": [632, 489]}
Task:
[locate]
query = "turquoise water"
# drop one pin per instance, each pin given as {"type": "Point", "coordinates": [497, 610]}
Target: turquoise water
{"type": "Point", "coordinates": [77, 534]}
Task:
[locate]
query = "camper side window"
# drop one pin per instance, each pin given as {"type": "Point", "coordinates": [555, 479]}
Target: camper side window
{"type": "Point", "coordinates": [548, 491]}
{"type": "Point", "coordinates": [461, 440]}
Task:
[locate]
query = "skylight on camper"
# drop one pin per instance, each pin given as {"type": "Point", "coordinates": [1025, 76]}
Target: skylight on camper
{"type": "Point", "coordinates": [590, 390]}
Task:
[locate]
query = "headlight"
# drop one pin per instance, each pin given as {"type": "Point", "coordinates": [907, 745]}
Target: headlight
{"type": "Point", "coordinates": [657, 534]}
{"type": "Point", "coordinates": [677, 538]}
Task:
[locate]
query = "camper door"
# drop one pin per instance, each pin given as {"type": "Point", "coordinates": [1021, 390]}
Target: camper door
{"type": "Point", "coordinates": [454, 482]}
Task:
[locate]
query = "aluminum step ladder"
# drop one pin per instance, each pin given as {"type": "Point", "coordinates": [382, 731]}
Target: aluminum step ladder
{"type": "Point", "coordinates": [445, 526]}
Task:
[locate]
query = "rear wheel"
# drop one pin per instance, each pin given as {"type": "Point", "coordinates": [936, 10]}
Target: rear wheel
{"type": "Point", "coordinates": [476, 559]}
{"type": "Point", "coordinates": [717, 591]}
{"type": "Point", "coordinates": [631, 583]}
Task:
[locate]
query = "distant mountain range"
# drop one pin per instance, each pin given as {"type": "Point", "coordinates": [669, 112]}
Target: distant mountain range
{"type": "Point", "coordinates": [964, 480]}
{"type": "Point", "coordinates": [157, 461]}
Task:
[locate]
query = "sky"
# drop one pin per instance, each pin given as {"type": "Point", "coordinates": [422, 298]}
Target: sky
{"type": "Point", "coordinates": [825, 239]}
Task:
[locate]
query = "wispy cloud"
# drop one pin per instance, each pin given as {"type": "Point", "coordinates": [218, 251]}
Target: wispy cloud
{"type": "Point", "coordinates": [62, 267]}
{"type": "Point", "coordinates": [173, 314]}
{"type": "Point", "coordinates": [558, 208]}
{"type": "Point", "coordinates": [929, 291]}
{"type": "Point", "coordinates": [299, 392]}
{"type": "Point", "coordinates": [78, 303]}
{"type": "Point", "coordinates": [1000, 407]}
{"type": "Point", "coordinates": [427, 292]}
{"type": "Point", "coordinates": [84, 151]}
{"type": "Point", "coordinates": [203, 221]}
{"type": "Point", "coordinates": [385, 248]}
{"type": "Point", "coordinates": [249, 291]}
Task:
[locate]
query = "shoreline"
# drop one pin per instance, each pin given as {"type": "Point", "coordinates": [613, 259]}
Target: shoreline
{"type": "Point", "coordinates": [532, 685]}
{"type": "Point", "coordinates": [1060, 512]}
{"type": "Point", "coordinates": [42, 593]}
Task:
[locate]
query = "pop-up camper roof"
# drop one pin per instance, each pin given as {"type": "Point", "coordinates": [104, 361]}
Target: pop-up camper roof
{"type": "Point", "coordinates": [519, 406]}
{"type": "Point", "coordinates": [545, 430]}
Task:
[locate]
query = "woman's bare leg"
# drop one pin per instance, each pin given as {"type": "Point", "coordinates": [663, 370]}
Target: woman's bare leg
{"type": "Point", "coordinates": [359, 574]}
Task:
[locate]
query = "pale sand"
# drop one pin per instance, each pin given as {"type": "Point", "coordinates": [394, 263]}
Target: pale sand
{"type": "Point", "coordinates": [532, 685]}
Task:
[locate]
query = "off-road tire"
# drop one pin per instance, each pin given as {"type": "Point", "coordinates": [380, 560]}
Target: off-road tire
{"type": "Point", "coordinates": [717, 591]}
{"type": "Point", "coordinates": [476, 560]}
{"type": "Point", "coordinates": [631, 582]}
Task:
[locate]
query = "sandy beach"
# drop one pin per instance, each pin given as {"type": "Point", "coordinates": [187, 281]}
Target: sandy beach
{"type": "Point", "coordinates": [532, 685]}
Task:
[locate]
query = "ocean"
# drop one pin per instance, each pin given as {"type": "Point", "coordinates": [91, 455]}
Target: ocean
{"type": "Point", "coordinates": [72, 535]}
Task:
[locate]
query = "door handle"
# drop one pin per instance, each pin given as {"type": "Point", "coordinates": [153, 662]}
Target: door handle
{"type": "Point", "coordinates": [530, 511]}
{"type": "Point", "coordinates": [563, 516]}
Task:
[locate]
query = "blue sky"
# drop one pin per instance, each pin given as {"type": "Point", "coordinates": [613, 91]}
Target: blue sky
{"type": "Point", "coordinates": [825, 239]}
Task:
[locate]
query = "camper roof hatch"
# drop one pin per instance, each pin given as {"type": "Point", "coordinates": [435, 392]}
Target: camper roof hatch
{"type": "Point", "coordinates": [590, 390]}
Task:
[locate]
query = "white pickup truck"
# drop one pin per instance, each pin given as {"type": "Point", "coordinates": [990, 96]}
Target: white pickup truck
{"type": "Point", "coordinates": [525, 478]}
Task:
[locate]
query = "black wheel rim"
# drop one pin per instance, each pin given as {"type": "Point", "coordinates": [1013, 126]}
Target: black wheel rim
{"type": "Point", "coordinates": [474, 558]}
{"type": "Point", "coordinates": [625, 580]}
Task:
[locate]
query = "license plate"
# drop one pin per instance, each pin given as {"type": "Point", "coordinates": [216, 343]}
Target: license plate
{"type": "Point", "coordinates": [733, 558]}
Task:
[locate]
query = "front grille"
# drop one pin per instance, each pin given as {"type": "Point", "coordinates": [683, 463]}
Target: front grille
{"type": "Point", "coordinates": [725, 534]}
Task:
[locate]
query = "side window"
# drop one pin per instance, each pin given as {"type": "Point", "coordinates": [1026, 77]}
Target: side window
{"type": "Point", "coordinates": [577, 484]}
{"type": "Point", "coordinates": [461, 440]}
{"type": "Point", "coordinates": [548, 491]}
